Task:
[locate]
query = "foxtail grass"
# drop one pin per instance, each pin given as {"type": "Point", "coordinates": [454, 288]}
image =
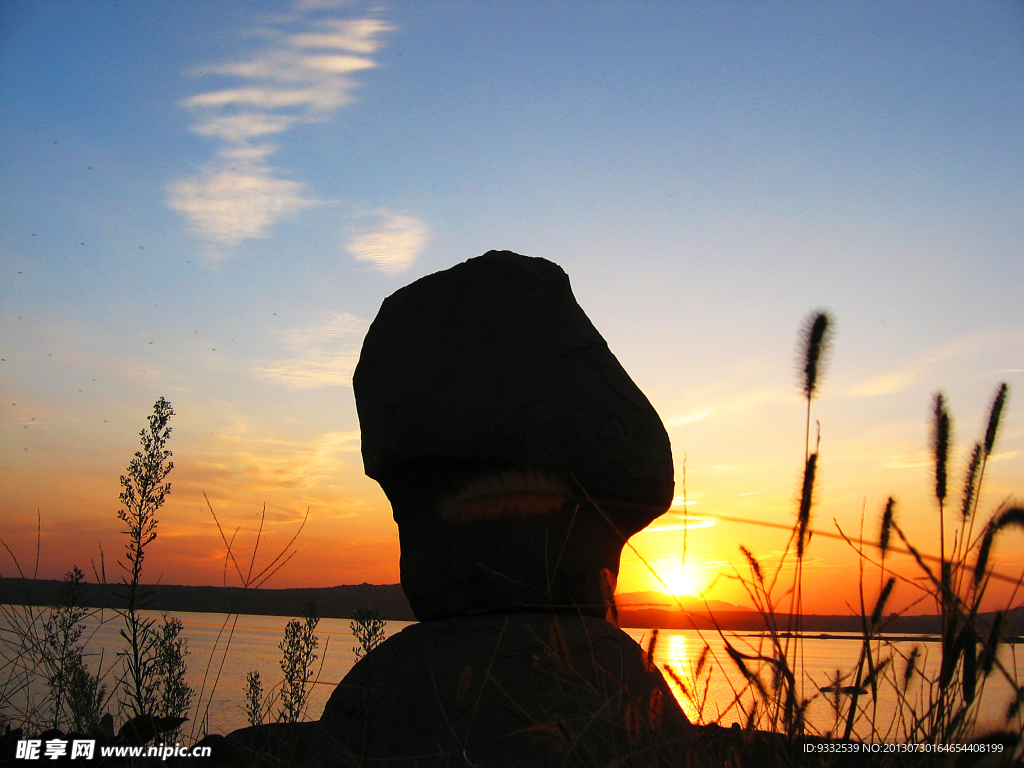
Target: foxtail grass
{"type": "Point", "coordinates": [936, 703]}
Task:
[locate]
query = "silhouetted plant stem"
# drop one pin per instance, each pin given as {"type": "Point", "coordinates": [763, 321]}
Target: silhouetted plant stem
{"type": "Point", "coordinates": [68, 679]}
{"type": "Point", "coordinates": [367, 627]}
{"type": "Point", "coordinates": [686, 519]}
{"type": "Point", "coordinates": [962, 540]}
{"type": "Point", "coordinates": [248, 581]}
{"type": "Point", "coordinates": [254, 710]}
{"type": "Point", "coordinates": [815, 343]}
{"type": "Point", "coordinates": [991, 430]}
{"type": "Point", "coordinates": [144, 493]}
{"type": "Point", "coordinates": [298, 654]}
{"type": "Point", "coordinates": [940, 450]}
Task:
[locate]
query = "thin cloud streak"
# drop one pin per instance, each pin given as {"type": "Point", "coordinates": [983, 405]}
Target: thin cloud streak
{"type": "Point", "coordinates": [693, 523]}
{"type": "Point", "coordinates": [355, 35]}
{"type": "Point", "coordinates": [316, 98]}
{"type": "Point", "coordinates": [266, 464]}
{"type": "Point", "coordinates": [679, 421]}
{"type": "Point", "coordinates": [236, 200]}
{"type": "Point", "coordinates": [736, 402]}
{"type": "Point", "coordinates": [922, 458]}
{"type": "Point", "coordinates": [324, 355]}
{"type": "Point", "coordinates": [902, 379]}
{"type": "Point", "coordinates": [885, 384]}
{"type": "Point", "coordinates": [290, 67]}
{"type": "Point", "coordinates": [243, 126]}
{"type": "Point", "coordinates": [392, 243]}
{"type": "Point", "coordinates": [302, 78]}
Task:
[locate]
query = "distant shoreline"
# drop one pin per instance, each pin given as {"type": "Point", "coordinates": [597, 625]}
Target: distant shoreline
{"type": "Point", "coordinates": [332, 602]}
{"type": "Point", "coordinates": [892, 627]}
{"type": "Point", "coordinates": [883, 636]}
{"type": "Point", "coordinates": [389, 599]}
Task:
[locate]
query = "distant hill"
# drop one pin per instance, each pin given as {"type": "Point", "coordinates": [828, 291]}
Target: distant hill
{"type": "Point", "coordinates": [637, 601]}
{"type": "Point", "coordinates": [333, 602]}
{"type": "Point", "coordinates": [653, 609]}
{"type": "Point", "coordinates": [636, 609]}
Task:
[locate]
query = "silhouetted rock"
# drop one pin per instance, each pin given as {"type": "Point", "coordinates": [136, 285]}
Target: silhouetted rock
{"type": "Point", "coordinates": [516, 452]}
{"type": "Point", "coordinates": [518, 457]}
{"type": "Point", "coordinates": [513, 691]}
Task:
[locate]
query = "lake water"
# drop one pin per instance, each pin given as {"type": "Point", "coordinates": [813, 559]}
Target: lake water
{"type": "Point", "coordinates": [223, 649]}
{"type": "Point", "coordinates": [716, 693]}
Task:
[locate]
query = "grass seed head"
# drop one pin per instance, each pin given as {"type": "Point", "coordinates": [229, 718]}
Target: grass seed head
{"type": "Point", "coordinates": [754, 565]}
{"type": "Point", "coordinates": [970, 480]}
{"type": "Point", "coordinates": [887, 517]}
{"type": "Point", "coordinates": [816, 340]}
{"type": "Point", "coordinates": [1012, 516]}
{"type": "Point", "coordinates": [806, 500]}
{"type": "Point", "coordinates": [940, 443]}
{"type": "Point", "coordinates": [876, 615]}
{"type": "Point", "coordinates": [993, 418]}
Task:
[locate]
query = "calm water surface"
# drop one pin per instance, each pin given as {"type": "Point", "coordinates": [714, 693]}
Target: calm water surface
{"type": "Point", "coordinates": [223, 649]}
{"type": "Point", "coordinates": [713, 697]}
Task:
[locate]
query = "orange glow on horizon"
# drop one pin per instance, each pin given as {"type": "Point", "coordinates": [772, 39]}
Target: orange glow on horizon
{"type": "Point", "coordinates": [675, 579]}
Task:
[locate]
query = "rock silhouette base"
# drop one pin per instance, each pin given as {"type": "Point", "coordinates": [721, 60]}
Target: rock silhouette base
{"type": "Point", "coordinates": [527, 690]}
{"type": "Point", "coordinates": [518, 457]}
{"type": "Point", "coordinates": [516, 690]}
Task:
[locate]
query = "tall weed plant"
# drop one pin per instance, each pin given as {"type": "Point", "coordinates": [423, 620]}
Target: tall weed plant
{"type": "Point", "coordinates": [147, 686]}
{"type": "Point", "coordinates": [298, 658]}
{"type": "Point", "coordinates": [934, 708]}
{"type": "Point", "coordinates": [76, 695]}
{"type": "Point", "coordinates": [367, 627]}
{"type": "Point", "coordinates": [152, 682]}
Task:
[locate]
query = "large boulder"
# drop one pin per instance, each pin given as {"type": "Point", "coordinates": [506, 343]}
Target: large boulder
{"type": "Point", "coordinates": [516, 452]}
{"type": "Point", "coordinates": [518, 457]}
{"type": "Point", "coordinates": [513, 691]}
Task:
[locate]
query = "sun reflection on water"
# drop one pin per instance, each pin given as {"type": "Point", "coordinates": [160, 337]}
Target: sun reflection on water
{"type": "Point", "coordinates": [679, 657]}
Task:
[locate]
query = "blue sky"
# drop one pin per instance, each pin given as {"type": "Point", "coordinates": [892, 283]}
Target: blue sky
{"type": "Point", "coordinates": [208, 202]}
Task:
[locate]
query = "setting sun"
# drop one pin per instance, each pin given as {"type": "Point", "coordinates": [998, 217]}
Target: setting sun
{"type": "Point", "coordinates": [680, 579]}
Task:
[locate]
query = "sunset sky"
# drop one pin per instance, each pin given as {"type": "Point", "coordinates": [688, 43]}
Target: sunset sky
{"type": "Point", "coordinates": [208, 202]}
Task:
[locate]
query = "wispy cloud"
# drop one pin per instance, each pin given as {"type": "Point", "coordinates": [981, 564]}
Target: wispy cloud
{"type": "Point", "coordinates": [922, 458]}
{"type": "Point", "coordinates": [1004, 456]}
{"type": "Point", "coordinates": [689, 418]}
{"type": "Point", "coordinates": [303, 75]}
{"type": "Point", "coordinates": [324, 355]}
{"type": "Point", "coordinates": [725, 402]}
{"type": "Point", "coordinates": [885, 384]}
{"type": "Point", "coordinates": [678, 523]}
{"type": "Point", "coordinates": [356, 35]}
{"type": "Point", "coordinates": [273, 463]}
{"type": "Point", "coordinates": [902, 379]}
{"type": "Point", "coordinates": [391, 242]}
{"type": "Point", "coordinates": [288, 66]}
{"type": "Point", "coordinates": [237, 199]}
{"type": "Point", "coordinates": [243, 126]}
{"type": "Point", "coordinates": [679, 501]}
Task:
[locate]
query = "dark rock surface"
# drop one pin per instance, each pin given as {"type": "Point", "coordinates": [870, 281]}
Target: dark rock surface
{"type": "Point", "coordinates": [516, 452]}
{"type": "Point", "coordinates": [518, 457]}
{"type": "Point", "coordinates": [504, 691]}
